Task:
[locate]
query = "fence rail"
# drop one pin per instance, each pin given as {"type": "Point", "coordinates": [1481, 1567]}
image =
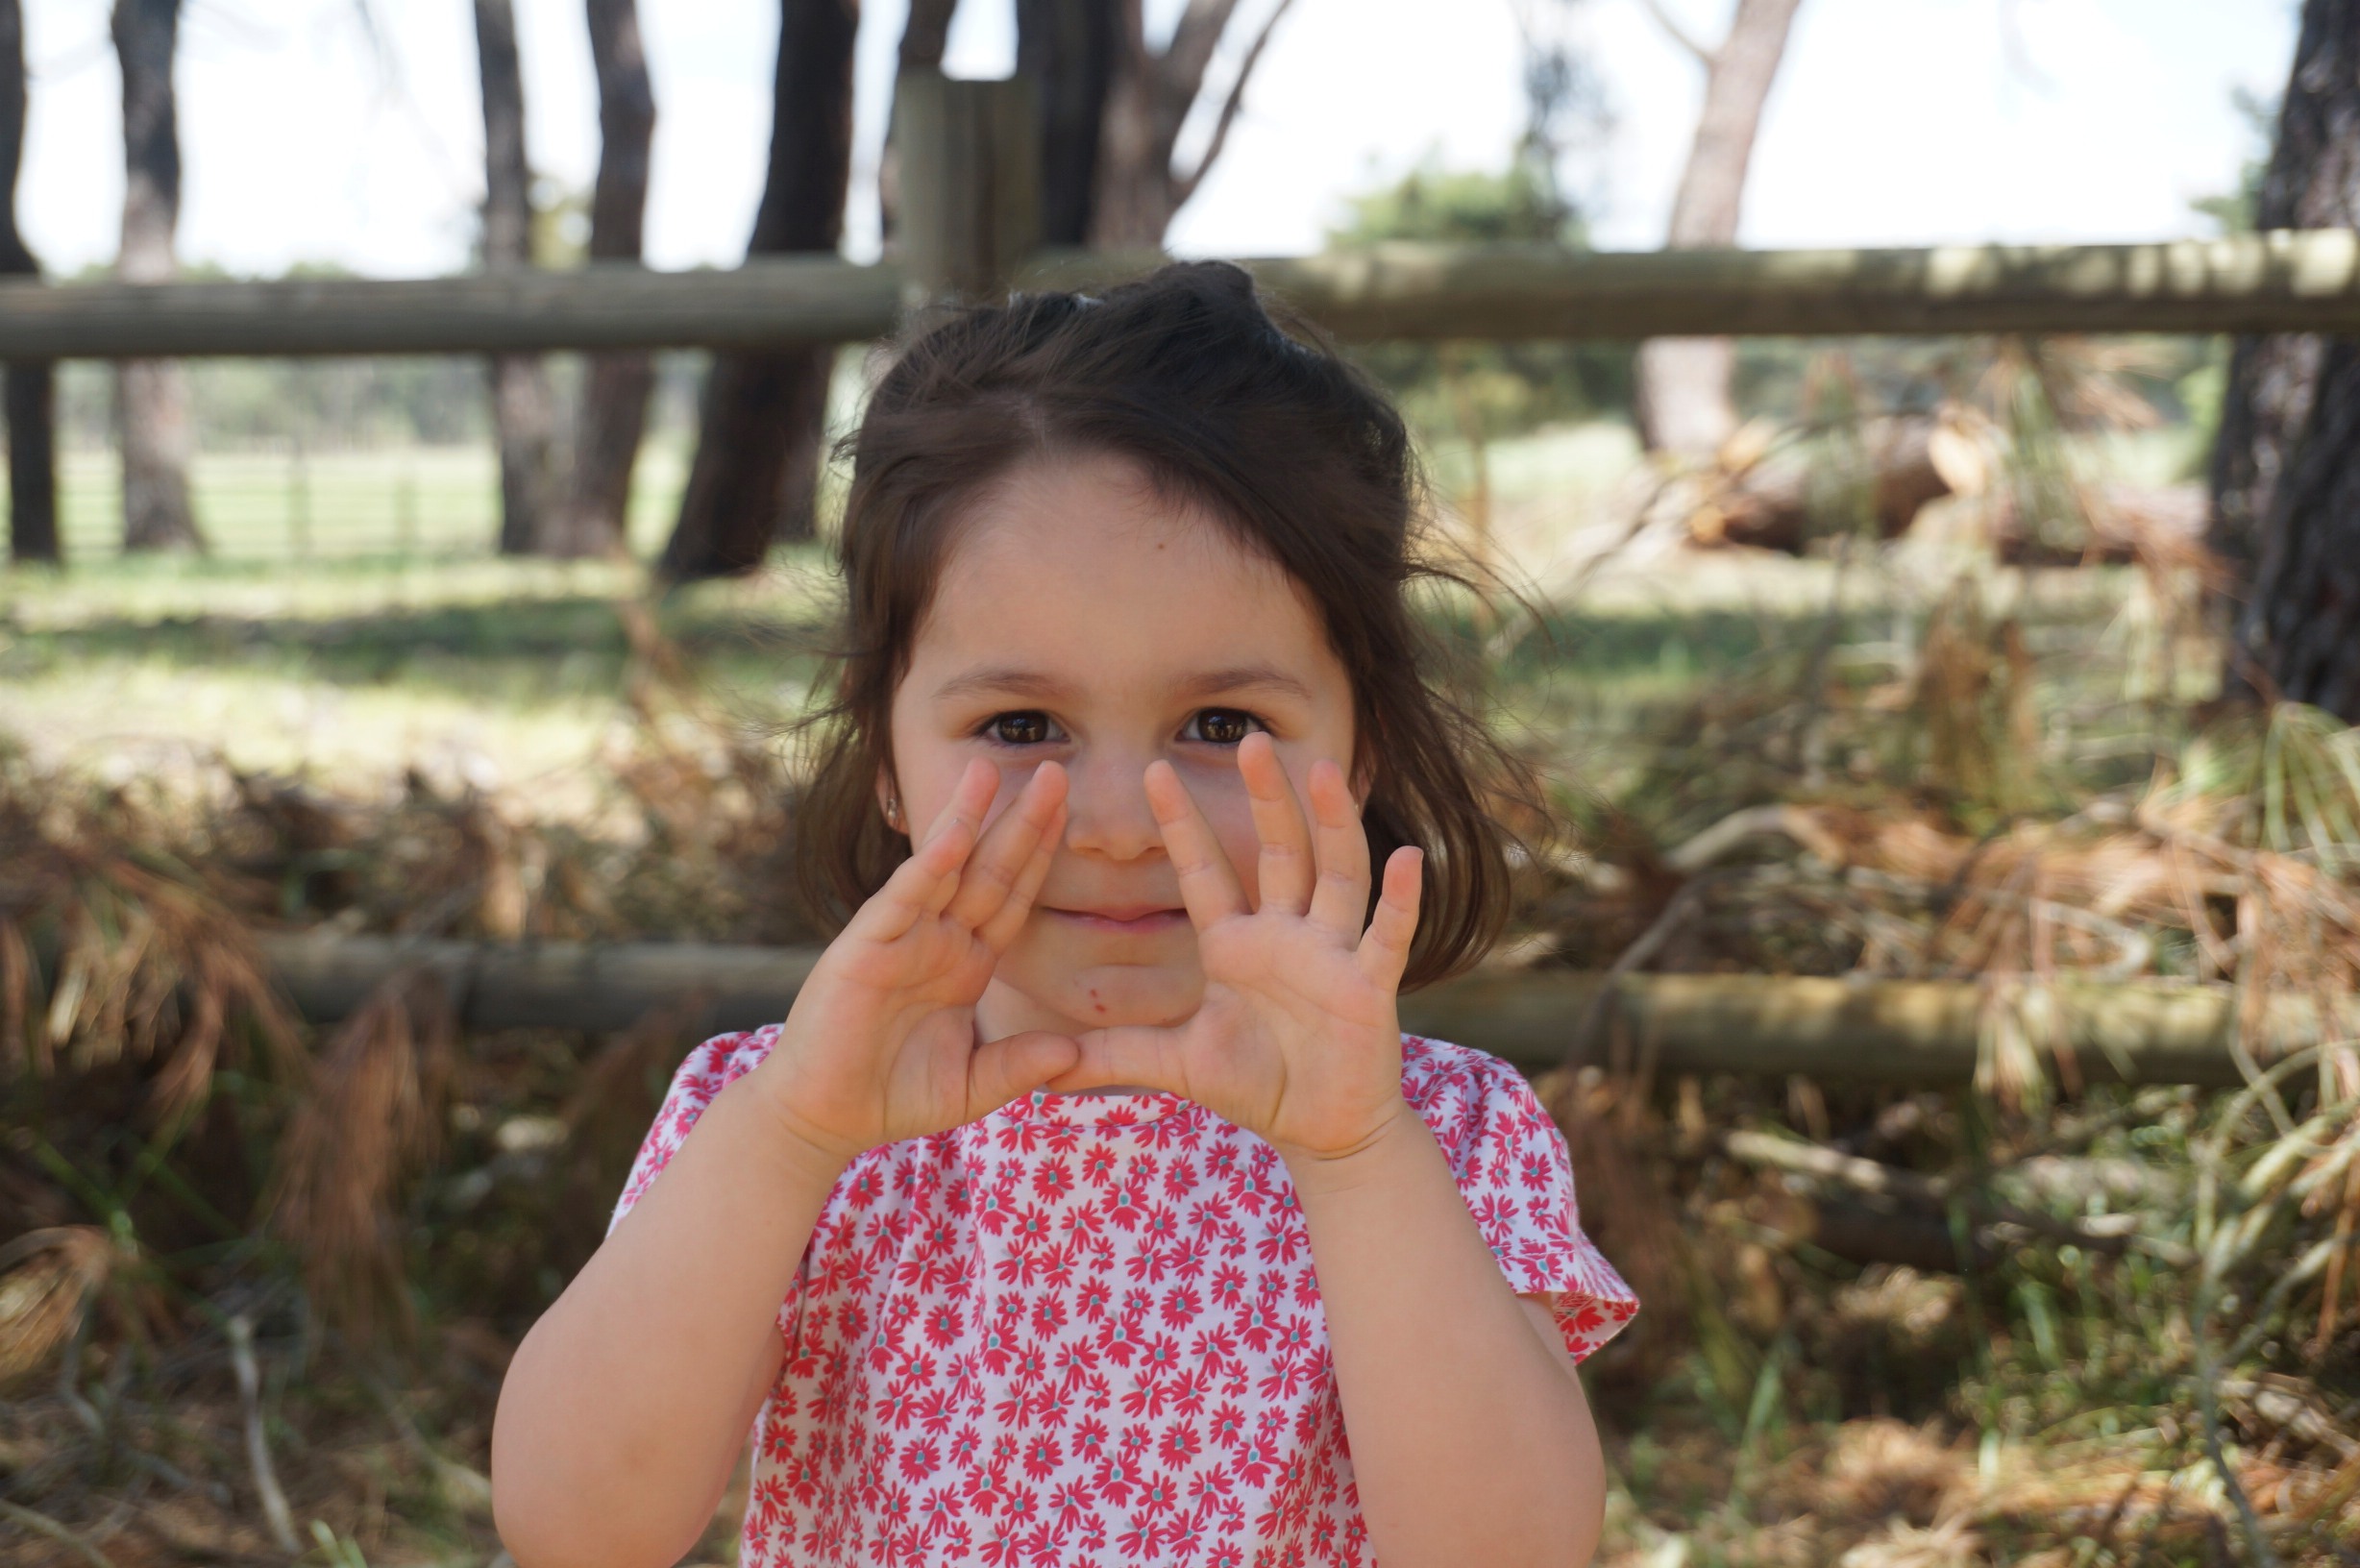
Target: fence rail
{"type": "Point", "coordinates": [2280, 281]}
{"type": "Point", "coordinates": [1899, 1034]}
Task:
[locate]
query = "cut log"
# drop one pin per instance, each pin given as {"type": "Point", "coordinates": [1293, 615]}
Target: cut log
{"type": "Point", "coordinates": [1901, 1034]}
{"type": "Point", "coordinates": [1774, 505]}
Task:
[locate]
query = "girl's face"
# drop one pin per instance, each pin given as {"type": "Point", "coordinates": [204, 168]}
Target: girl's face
{"type": "Point", "coordinates": [1082, 618]}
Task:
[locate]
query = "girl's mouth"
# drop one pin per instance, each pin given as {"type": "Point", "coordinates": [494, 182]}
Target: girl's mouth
{"type": "Point", "coordinates": [1128, 921]}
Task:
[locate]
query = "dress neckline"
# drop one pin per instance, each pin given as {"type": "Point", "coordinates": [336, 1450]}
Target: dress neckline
{"type": "Point", "coordinates": [1107, 1108]}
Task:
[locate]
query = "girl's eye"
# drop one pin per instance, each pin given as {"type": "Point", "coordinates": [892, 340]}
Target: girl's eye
{"type": "Point", "coordinates": [1221, 727]}
{"type": "Point", "coordinates": [1030, 727]}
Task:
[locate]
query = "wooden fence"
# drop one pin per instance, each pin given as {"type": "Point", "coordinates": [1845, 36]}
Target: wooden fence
{"type": "Point", "coordinates": [2280, 282]}
{"type": "Point", "coordinates": [1895, 1032]}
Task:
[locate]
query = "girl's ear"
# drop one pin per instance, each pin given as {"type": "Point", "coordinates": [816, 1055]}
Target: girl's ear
{"type": "Point", "coordinates": [1362, 781]}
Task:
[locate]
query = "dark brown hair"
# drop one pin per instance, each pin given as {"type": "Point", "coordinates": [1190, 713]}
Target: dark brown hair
{"type": "Point", "coordinates": [1186, 374]}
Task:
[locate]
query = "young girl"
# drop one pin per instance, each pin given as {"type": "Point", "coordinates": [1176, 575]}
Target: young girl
{"type": "Point", "coordinates": [1090, 1207]}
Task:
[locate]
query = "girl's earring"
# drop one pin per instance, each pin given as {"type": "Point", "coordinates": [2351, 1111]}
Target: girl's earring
{"type": "Point", "coordinates": [893, 812]}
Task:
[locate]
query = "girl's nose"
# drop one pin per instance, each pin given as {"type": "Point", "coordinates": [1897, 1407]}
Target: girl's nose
{"type": "Point", "coordinates": [1106, 807]}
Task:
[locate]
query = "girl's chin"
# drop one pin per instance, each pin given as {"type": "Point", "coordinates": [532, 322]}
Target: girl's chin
{"type": "Point", "coordinates": [1120, 996]}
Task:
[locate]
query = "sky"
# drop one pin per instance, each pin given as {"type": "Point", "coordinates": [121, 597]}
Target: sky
{"type": "Point", "coordinates": [348, 131]}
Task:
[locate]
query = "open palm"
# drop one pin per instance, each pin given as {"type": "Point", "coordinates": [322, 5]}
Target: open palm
{"type": "Point", "coordinates": [881, 1043]}
{"type": "Point", "coordinates": [1297, 1039]}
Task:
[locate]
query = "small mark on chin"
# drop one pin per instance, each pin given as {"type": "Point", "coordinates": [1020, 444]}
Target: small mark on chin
{"type": "Point", "coordinates": [1099, 1007]}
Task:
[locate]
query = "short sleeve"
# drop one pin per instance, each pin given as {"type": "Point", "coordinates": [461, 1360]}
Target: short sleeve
{"type": "Point", "coordinates": [1517, 1175]}
{"type": "Point", "coordinates": [702, 1074]}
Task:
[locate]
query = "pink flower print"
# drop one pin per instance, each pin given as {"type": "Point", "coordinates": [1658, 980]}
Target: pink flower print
{"type": "Point", "coordinates": [1053, 1181]}
{"type": "Point", "coordinates": [1182, 1303]}
{"type": "Point", "coordinates": [1043, 1453]}
{"type": "Point", "coordinates": [993, 1204]}
{"type": "Point", "coordinates": [1229, 1427]}
{"type": "Point", "coordinates": [1256, 1460]}
{"type": "Point", "coordinates": [1119, 1339]}
{"type": "Point", "coordinates": [920, 1459]}
{"type": "Point", "coordinates": [1180, 1446]}
{"type": "Point", "coordinates": [944, 1322]}
{"type": "Point", "coordinates": [1098, 1164]}
{"type": "Point", "coordinates": [1256, 1320]}
{"type": "Point", "coordinates": [1071, 1500]}
{"type": "Point", "coordinates": [1030, 1227]}
{"type": "Point", "coordinates": [999, 1342]}
{"type": "Point", "coordinates": [1114, 1477]}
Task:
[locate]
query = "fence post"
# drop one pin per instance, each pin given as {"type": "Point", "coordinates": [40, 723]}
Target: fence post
{"type": "Point", "coordinates": [969, 156]}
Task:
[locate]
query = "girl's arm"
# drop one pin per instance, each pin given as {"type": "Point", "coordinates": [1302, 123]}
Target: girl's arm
{"type": "Point", "coordinates": [627, 1403]}
{"type": "Point", "coordinates": [626, 1406]}
{"type": "Point", "coordinates": [1471, 1441]}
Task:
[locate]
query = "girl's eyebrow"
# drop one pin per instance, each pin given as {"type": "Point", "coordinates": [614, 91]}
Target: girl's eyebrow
{"type": "Point", "coordinates": [1006, 681]}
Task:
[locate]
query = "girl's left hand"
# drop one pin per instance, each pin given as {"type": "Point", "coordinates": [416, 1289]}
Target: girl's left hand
{"type": "Point", "coordinates": [1297, 1040]}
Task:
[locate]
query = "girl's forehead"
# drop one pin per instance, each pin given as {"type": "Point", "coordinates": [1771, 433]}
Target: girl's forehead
{"type": "Point", "coordinates": [1079, 562]}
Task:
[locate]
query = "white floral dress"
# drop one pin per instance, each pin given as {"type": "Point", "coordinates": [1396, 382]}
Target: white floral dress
{"type": "Point", "coordinates": [1085, 1329]}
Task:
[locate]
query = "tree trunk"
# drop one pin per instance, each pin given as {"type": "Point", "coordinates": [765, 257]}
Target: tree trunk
{"type": "Point", "coordinates": [2300, 630]}
{"type": "Point", "coordinates": [2313, 182]}
{"type": "Point", "coordinates": [754, 478]}
{"type": "Point", "coordinates": [1148, 97]}
{"type": "Point", "coordinates": [925, 35]}
{"type": "Point", "coordinates": [33, 477]}
{"type": "Point", "coordinates": [1068, 48]}
{"type": "Point", "coordinates": [524, 410]}
{"type": "Point", "coordinates": [613, 415]}
{"type": "Point", "coordinates": [1683, 393]}
{"type": "Point", "coordinates": [150, 397]}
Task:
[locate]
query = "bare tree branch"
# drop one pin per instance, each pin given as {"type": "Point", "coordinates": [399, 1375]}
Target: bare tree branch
{"type": "Point", "coordinates": [925, 32]}
{"type": "Point", "coordinates": [1679, 35]}
{"type": "Point", "coordinates": [1181, 69]}
{"type": "Point", "coordinates": [1184, 187]}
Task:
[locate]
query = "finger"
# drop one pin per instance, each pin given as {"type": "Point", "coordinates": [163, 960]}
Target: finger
{"type": "Point", "coordinates": [1002, 929]}
{"type": "Point", "coordinates": [1385, 951]}
{"type": "Point", "coordinates": [917, 887]}
{"type": "Point", "coordinates": [1283, 870]}
{"type": "Point", "coordinates": [999, 1070]}
{"type": "Point", "coordinates": [1006, 848]}
{"type": "Point", "coordinates": [1131, 1053]}
{"type": "Point", "coordinates": [1340, 900]}
{"type": "Point", "coordinates": [1208, 882]}
{"type": "Point", "coordinates": [971, 800]}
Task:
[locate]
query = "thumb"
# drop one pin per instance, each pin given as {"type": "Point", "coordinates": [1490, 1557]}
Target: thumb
{"type": "Point", "coordinates": [1144, 1055]}
{"type": "Point", "coordinates": [999, 1070]}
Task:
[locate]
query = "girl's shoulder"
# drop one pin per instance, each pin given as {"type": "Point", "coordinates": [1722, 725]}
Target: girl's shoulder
{"type": "Point", "coordinates": [701, 1075]}
{"type": "Point", "coordinates": [1475, 1104]}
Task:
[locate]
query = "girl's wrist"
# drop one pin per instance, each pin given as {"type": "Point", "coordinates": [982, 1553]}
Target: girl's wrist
{"type": "Point", "coordinates": [1371, 1156]}
{"type": "Point", "coordinates": [801, 1141]}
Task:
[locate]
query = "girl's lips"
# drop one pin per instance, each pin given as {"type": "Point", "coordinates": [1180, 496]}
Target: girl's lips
{"type": "Point", "coordinates": [1135, 925]}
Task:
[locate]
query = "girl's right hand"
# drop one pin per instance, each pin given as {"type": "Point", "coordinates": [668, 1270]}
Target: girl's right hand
{"type": "Point", "coordinates": [880, 1044]}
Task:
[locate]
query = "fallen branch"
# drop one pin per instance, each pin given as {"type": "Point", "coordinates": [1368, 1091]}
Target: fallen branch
{"type": "Point", "coordinates": [2110, 1233]}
